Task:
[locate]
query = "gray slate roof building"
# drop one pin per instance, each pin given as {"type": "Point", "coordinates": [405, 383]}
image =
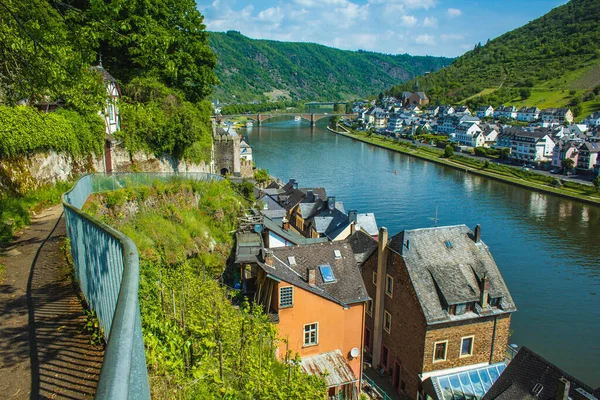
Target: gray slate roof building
{"type": "Point", "coordinates": [363, 245]}
{"type": "Point", "coordinates": [446, 266]}
{"type": "Point", "coordinates": [348, 286]}
{"type": "Point", "coordinates": [531, 377]}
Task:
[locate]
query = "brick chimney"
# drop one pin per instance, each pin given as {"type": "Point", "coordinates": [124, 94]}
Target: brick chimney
{"type": "Point", "coordinates": [562, 389]}
{"type": "Point", "coordinates": [485, 290]}
{"type": "Point", "coordinates": [379, 293]}
{"type": "Point", "coordinates": [477, 234]}
{"type": "Point", "coordinates": [268, 257]}
{"type": "Point", "coordinates": [311, 276]}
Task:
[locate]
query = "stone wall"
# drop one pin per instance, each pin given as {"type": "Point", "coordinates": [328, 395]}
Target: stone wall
{"type": "Point", "coordinates": [147, 162]}
{"type": "Point", "coordinates": [482, 330]}
{"type": "Point", "coordinates": [21, 174]}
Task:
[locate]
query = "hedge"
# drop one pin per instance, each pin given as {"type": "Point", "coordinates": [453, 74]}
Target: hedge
{"type": "Point", "coordinates": [24, 131]}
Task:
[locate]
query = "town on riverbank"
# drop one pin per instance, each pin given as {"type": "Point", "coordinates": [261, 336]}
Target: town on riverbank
{"type": "Point", "coordinates": [422, 313]}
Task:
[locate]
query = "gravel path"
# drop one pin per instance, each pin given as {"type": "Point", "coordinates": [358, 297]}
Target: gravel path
{"type": "Point", "coordinates": [44, 352]}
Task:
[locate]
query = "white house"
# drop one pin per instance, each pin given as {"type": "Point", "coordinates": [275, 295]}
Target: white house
{"type": "Point", "coordinates": [395, 123]}
{"type": "Point", "coordinates": [531, 146]}
{"type": "Point", "coordinates": [508, 112]}
{"type": "Point", "coordinates": [465, 134]}
{"type": "Point", "coordinates": [528, 114]}
{"type": "Point", "coordinates": [593, 120]}
{"type": "Point", "coordinates": [485, 111]}
{"type": "Point", "coordinates": [245, 151]}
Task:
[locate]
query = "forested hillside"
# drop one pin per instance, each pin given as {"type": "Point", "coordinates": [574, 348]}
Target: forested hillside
{"type": "Point", "coordinates": [547, 61]}
{"type": "Point", "coordinates": [252, 69]}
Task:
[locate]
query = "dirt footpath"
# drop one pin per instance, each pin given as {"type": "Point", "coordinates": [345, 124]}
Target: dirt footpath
{"type": "Point", "coordinates": [44, 352]}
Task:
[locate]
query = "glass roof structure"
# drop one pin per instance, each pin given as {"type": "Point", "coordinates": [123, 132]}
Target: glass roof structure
{"type": "Point", "coordinates": [467, 385]}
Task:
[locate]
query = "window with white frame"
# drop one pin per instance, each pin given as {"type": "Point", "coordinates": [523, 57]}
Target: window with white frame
{"type": "Point", "coordinates": [111, 112]}
{"type": "Point", "coordinates": [389, 285]}
{"type": "Point", "coordinates": [466, 346]}
{"type": "Point", "coordinates": [286, 296]}
{"type": "Point", "coordinates": [387, 321]}
{"type": "Point", "coordinates": [370, 307]}
{"type": "Point", "coordinates": [311, 334]}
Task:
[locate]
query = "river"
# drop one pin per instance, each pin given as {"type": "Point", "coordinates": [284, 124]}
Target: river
{"type": "Point", "coordinates": [546, 247]}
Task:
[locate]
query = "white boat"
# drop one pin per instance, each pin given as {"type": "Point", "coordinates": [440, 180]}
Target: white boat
{"type": "Point", "coordinates": [297, 118]}
{"type": "Point", "coordinates": [249, 124]}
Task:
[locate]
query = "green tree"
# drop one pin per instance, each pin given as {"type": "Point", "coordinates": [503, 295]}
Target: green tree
{"type": "Point", "coordinates": [567, 164]}
{"type": "Point", "coordinates": [448, 151]}
{"type": "Point", "coordinates": [43, 57]}
{"type": "Point", "coordinates": [162, 38]}
{"type": "Point", "coordinates": [505, 153]}
{"type": "Point", "coordinates": [525, 93]}
{"type": "Point", "coordinates": [597, 183]}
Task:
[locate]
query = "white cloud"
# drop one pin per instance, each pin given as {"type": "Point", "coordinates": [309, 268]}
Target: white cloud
{"type": "Point", "coordinates": [430, 22]}
{"type": "Point", "coordinates": [448, 37]}
{"type": "Point", "coordinates": [454, 12]}
{"type": "Point", "coordinates": [321, 3]}
{"type": "Point", "coordinates": [425, 39]}
{"type": "Point", "coordinates": [273, 14]}
{"type": "Point", "coordinates": [408, 20]}
{"type": "Point", "coordinates": [409, 4]}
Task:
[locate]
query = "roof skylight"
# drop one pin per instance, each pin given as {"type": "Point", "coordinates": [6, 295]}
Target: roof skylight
{"type": "Point", "coordinates": [327, 273]}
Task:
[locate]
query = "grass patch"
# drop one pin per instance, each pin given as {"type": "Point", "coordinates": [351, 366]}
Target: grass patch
{"type": "Point", "coordinates": [184, 234]}
{"type": "Point", "coordinates": [2, 269]}
{"type": "Point", "coordinates": [15, 210]}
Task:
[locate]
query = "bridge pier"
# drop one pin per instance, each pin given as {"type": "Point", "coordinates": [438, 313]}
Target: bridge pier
{"type": "Point", "coordinates": [258, 120]}
{"type": "Point", "coordinates": [312, 120]}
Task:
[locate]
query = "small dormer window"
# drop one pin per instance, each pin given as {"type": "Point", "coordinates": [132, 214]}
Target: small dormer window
{"type": "Point", "coordinates": [460, 309]}
{"type": "Point", "coordinates": [494, 301]}
{"type": "Point", "coordinates": [337, 254]}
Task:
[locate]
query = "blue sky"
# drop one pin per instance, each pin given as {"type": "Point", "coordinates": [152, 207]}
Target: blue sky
{"type": "Point", "coordinates": [417, 27]}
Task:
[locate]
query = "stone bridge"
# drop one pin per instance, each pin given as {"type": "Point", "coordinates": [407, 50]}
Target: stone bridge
{"type": "Point", "coordinates": [259, 118]}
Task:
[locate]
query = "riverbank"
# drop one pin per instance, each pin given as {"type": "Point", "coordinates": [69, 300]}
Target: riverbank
{"type": "Point", "coordinates": [569, 190]}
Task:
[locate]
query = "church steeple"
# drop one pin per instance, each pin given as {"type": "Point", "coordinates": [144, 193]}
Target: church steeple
{"type": "Point", "coordinates": [417, 85]}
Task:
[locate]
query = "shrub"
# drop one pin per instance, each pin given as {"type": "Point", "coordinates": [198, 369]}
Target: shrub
{"type": "Point", "coordinates": [448, 151]}
{"type": "Point", "coordinates": [24, 130]}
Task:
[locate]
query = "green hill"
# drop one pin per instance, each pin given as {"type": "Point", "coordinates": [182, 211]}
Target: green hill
{"type": "Point", "coordinates": [252, 69]}
{"type": "Point", "coordinates": [551, 61]}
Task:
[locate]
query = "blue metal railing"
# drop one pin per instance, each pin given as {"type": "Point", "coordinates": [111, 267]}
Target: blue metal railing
{"type": "Point", "coordinates": [370, 383]}
{"type": "Point", "coordinates": [107, 267]}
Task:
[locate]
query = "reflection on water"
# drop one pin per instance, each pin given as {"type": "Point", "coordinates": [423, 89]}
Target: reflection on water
{"type": "Point", "coordinates": [545, 246]}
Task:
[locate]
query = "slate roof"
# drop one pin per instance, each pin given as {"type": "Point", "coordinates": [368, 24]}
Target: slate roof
{"type": "Point", "coordinates": [248, 246]}
{"type": "Point", "coordinates": [367, 222]}
{"type": "Point", "coordinates": [348, 287]}
{"type": "Point", "coordinates": [422, 96]}
{"type": "Point", "coordinates": [290, 235]}
{"type": "Point", "coordinates": [331, 222]}
{"type": "Point", "coordinates": [527, 370]}
{"type": "Point", "coordinates": [106, 77]}
{"type": "Point", "coordinates": [445, 266]}
{"type": "Point", "coordinates": [363, 246]}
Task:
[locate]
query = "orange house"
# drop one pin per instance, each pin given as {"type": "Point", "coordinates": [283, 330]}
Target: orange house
{"type": "Point", "coordinates": [316, 295]}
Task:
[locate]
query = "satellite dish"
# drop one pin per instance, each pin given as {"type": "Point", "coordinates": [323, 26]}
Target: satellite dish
{"type": "Point", "coordinates": [354, 352]}
{"type": "Point", "coordinates": [258, 228]}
